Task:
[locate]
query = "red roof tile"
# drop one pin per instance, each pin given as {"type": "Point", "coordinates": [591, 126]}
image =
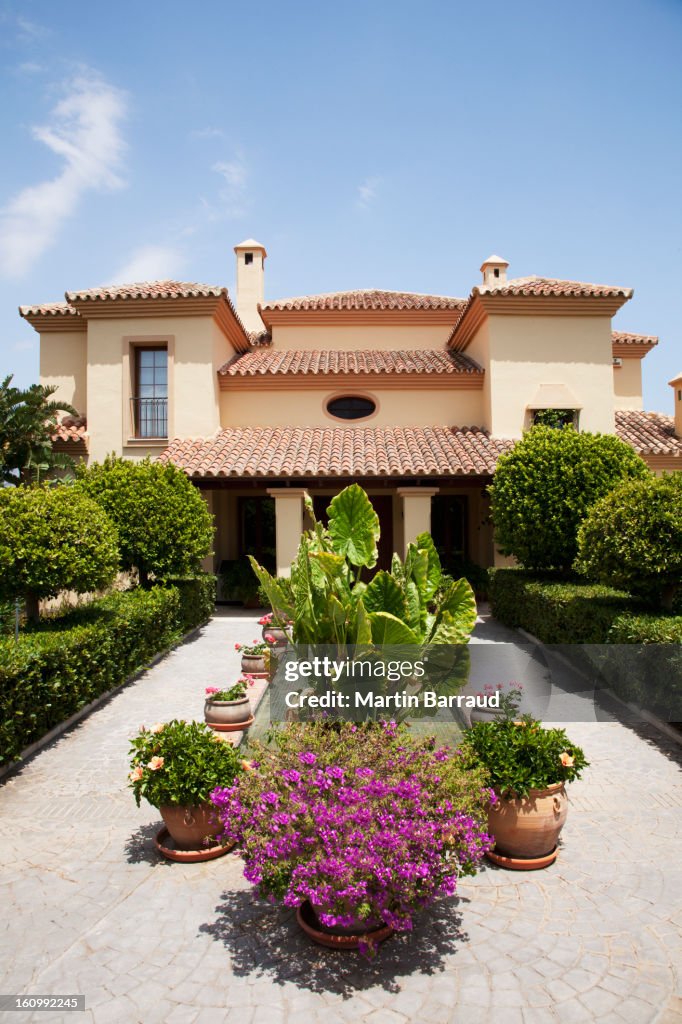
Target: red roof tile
{"type": "Point", "coordinates": [367, 298]}
{"type": "Point", "coordinates": [71, 429]}
{"type": "Point", "coordinates": [339, 452]}
{"type": "Point", "coordinates": [649, 433]}
{"type": "Point", "coordinates": [625, 338]}
{"type": "Point", "coordinates": [551, 286]}
{"type": "Point", "coordinates": [267, 361]}
{"type": "Point", "coordinates": [150, 290]}
{"type": "Point", "coordinates": [49, 309]}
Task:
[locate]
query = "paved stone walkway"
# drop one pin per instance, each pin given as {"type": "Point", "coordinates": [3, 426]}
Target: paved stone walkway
{"type": "Point", "coordinates": [88, 906]}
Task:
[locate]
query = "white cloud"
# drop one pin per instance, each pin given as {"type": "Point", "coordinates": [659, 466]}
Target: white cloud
{"type": "Point", "coordinates": [84, 130]}
{"type": "Point", "coordinates": [150, 263]}
{"type": "Point", "coordinates": [233, 199]}
{"type": "Point", "coordinates": [367, 191]}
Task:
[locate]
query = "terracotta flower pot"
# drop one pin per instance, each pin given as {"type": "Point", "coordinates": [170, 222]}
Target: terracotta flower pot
{"type": "Point", "coordinates": [189, 826]}
{"type": "Point", "coordinates": [279, 635]}
{"type": "Point", "coordinates": [227, 712]}
{"type": "Point", "coordinates": [528, 829]}
{"type": "Point", "coordinates": [253, 664]}
{"type": "Point", "coordinates": [339, 938]}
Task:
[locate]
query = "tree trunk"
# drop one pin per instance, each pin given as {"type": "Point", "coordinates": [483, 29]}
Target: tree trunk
{"type": "Point", "coordinates": [668, 595]}
{"type": "Point", "coordinates": [32, 606]}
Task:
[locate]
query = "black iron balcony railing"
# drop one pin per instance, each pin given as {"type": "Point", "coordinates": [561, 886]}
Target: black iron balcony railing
{"type": "Point", "coordinates": [150, 417]}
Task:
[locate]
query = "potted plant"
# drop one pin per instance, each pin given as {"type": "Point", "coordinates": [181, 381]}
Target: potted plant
{"type": "Point", "coordinates": [175, 766]}
{"type": "Point", "coordinates": [274, 633]}
{"type": "Point", "coordinates": [255, 657]}
{"type": "Point", "coordinates": [228, 710]}
{"type": "Point", "coordinates": [528, 767]}
{"type": "Point", "coordinates": [357, 827]}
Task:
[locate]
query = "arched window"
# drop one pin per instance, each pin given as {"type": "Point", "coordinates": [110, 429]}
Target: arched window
{"type": "Point", "coordinates": [350, 407]}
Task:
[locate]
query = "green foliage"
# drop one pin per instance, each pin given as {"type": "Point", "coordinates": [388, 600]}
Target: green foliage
{"type": "Point", "coordinates": [65, 663]}
{"type": "Point", "coordinates": [164, 526]}
{"type": "Point", "coordinates": [28, 419]}
{"type": "Point", "coordinates": [235, 692]}
{"type": "Point", "coordinates": [544, 487]}
{"type": "Point", "coordinates": [555, 418]}
{"type": "Point", "coordinates": [53, 539]}
{"type": "Point", "coordinates": [632, 539]}
{"type": "Point", "coordinates": [180, 763]}
{"type": "Point", "coordinates": [520, 756]}
{"type": "Point", "coordinates": [328, 603]}
{"type": "Point", "coordinates": [197, 599]}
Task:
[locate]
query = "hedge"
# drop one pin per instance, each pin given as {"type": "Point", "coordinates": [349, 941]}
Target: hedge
{"type": "Point", "coordinates": [575, 614]}
{"type": "Point", "coordinates": [65, 663]}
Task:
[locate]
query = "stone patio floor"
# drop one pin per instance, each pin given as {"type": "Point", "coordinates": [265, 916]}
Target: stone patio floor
{"type": "Point", "coordinates": [89, 907]}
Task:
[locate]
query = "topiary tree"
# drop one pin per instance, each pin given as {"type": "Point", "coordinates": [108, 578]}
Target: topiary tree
{"type": "Point", "coordinates": [544, 487]}
{"type": "Point", "coordinates": [53, 539]}
{"type": "Point", "coordinates": [632, 538]}
{"type": "Point", "coordinates": [164, 526]}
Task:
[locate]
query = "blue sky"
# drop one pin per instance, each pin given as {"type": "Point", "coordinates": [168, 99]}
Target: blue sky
{"type": "Point", "coordinates": [369, 144]}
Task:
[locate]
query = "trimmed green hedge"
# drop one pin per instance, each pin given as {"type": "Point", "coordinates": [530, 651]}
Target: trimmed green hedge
{"type": "Point", "coordinates": [575, 613]}
{"type": "Point", "coordinates": [65, 663]}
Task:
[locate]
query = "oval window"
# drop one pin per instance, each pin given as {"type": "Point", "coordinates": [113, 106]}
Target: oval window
{"type": "Point", "coordinates": [351, 407]}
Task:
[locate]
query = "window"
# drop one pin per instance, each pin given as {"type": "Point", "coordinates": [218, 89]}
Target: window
{"type": "Point", "coordinates": [496, 272]}
{"type": "Point", "coordinates": [351, 407]}
{"type": "Point", "coordinates": [150, 398]}
{"type": "Point", "coordinates": [555, 418]}
{"type": "Point", "coordinates": [248, 258]}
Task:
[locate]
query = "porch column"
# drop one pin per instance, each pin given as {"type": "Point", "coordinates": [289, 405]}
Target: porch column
{"type": "Point", "coordinates": [288, 525]}
{"type": "Point", "coordinates": [416, 512]}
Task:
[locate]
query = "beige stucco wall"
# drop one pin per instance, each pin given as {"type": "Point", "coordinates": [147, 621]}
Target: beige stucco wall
{"type": "Point", "coordinates": [196, 347]}
{"type": "Point", "coordinates": [63, 362]}
{"type": "Point", "coordinates": [627, 384]}
{"type": "Point", "coordinates": [350, 337]}
{"type": "Point", "coordinates": [395, 407]}
{"type": "Point", "coordinates": [529, 351]}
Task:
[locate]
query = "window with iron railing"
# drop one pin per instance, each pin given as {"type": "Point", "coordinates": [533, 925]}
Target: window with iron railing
{"type": "Point", "coordinates": [150, 400]}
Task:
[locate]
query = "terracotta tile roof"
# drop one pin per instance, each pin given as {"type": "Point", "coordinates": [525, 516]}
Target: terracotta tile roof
{"type": "Point", "coordinates": [551, 286]}
{"type": "Point", "coordinates": [339, 452]}
{"type": "Point", "coordinates": [49, 309]}
{"type": "Point", "coordinates": [149, 290]}
{"type": "Point", "coordinates": [649, 433]}
{"type": "Point", "coordinates": [71, 428]}
{"type": "Point", "coordinates": [625, 338]}
{"type": "Point", "coordinates": [267, 361]}
{"type": "Point", "coordinates": [367, 298]}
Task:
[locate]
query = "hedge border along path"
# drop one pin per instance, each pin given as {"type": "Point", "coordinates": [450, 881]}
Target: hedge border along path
{"type": "Point", "coordinates": [60, 671]}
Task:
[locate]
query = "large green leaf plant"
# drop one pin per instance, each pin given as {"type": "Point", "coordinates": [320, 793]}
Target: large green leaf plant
{"type": "Point", "coordinates": [329, 602]}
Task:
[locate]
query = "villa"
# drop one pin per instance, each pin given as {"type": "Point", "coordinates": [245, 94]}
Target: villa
{"type": "Point", "coordinates": [413, 396]}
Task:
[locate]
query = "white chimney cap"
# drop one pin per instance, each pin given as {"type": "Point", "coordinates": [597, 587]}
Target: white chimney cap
{"type": "Point", "coordinates": [675, 380]}
{"type": "Point", "coordinates": [250, 243]}
{"type": "Point", "coordinates": [495, 261]}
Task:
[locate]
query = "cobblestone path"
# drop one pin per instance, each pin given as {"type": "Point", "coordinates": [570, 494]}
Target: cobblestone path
{"type": "Point", "coordinates": [88, 906]}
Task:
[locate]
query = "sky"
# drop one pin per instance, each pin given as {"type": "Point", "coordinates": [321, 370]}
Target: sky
{"type": "Point", "coordinates": [367, 144]}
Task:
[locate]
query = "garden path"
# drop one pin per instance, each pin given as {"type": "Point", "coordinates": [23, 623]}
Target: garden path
{"type": "Point", "coordinates": [89, 907]}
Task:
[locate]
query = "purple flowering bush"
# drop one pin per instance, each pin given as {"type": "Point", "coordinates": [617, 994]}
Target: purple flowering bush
{"type": "Point", "coordinates": [364, 822]}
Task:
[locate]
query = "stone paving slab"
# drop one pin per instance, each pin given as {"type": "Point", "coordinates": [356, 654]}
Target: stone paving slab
{"type": "Point", "coordinates": [89, 906]}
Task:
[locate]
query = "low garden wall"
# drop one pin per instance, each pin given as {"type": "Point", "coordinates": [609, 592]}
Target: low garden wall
{"type": "Point", "coordinates": [65, 663]}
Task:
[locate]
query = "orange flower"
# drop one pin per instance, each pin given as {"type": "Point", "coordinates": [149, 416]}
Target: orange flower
{"type": "Point", "coordinates": [155, 763]}
{"type": "Point", "coordinates": [136, 774]}
{"type": "Point", "coordinates": [566, 759]}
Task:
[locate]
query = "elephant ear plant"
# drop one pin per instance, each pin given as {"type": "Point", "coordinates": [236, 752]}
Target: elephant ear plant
{"type": "Point", "coordinates": [328, 602]}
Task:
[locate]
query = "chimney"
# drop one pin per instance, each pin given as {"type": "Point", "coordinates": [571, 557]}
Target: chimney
{"type": "Point", "coordinates": [494, 271]}
{"type": "Point", "coordinates": [676, 385]}
{"type": "Point", "coordinates": [250, 275]}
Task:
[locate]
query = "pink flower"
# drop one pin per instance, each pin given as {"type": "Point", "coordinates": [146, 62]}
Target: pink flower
{"type": "Point", "coordinates": [211, 689]}
{"type": "Point", "coordinates": [155, 763]}
{"type": "Point", "coordinates": [136, 774]}
{"type": "Point", "coordinates": [159, 727]}
{"type": "Point", "coordinates": [269, 638]}
{"type": "Point", "coordinates": [237, 647]}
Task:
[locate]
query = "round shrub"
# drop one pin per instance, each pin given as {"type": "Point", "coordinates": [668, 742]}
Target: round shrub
{"type": "Point", "coordinates": [164, 526]}
{"type": "Point", "coordinates": [544, 487]}
{"type": "Point", "coordinates": [53, 539]}
{"type": "Point", "coordinates": [632, 538]}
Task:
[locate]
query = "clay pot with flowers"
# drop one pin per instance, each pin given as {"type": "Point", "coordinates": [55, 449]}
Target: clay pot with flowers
{"type": "Point", "coordinates": [175, 766]}
{"type": "Point", "coordinates": [528, 767]}
{"type": "Point", "coordinates": [230, 709]}
{"type": "Point", "coordinates": [357, 827]}
{"type": "Point", "coordinates": [275, 631]}
{"type": "Point", "coordinates": [255, 657]}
